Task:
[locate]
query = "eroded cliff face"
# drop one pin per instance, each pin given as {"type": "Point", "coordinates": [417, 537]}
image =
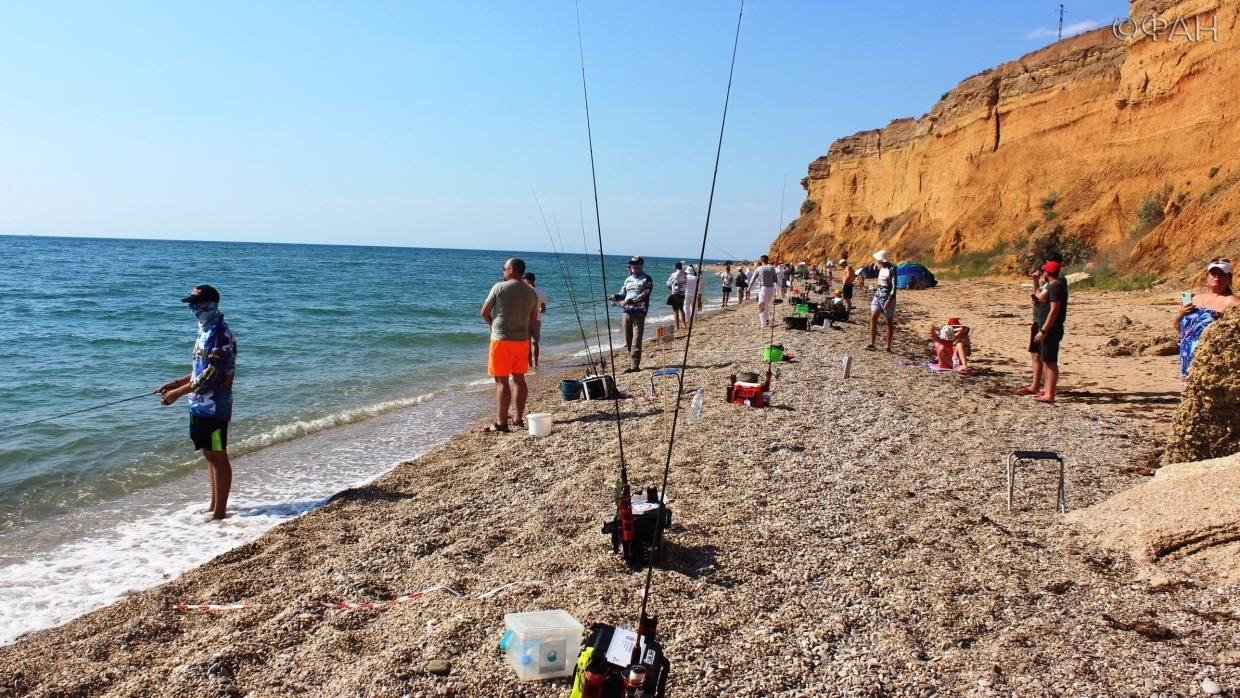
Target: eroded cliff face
{"type": "Point", "coordinates": [1106, 123]}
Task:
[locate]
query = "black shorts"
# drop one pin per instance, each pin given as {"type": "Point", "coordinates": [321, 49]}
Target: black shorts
{"type": "Point", "coordinates": [677, 301]}
{"type": "Point", "coordinates": [1050, 345]}
{"type": "Point", "coordinates": [207, 433]}
{"type": "Point", "coordinates": [848, 289]}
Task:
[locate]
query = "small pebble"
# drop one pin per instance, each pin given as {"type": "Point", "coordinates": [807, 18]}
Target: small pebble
{"type": "Point", "coordinates": [1211, 688]}
{"type": "Point", "coordinates": [439, 667]}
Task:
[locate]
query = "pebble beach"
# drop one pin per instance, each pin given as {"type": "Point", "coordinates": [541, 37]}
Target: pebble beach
{"type": "Point", "coordinates": [851, 539]}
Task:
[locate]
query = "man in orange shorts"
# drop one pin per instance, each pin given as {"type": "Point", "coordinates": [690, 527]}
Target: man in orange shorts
{"type": "Point", "coordinates": [509, 309]}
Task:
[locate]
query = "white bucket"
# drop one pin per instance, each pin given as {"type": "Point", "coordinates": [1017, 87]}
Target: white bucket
{"type": "Point", "coordinates": [540, 423]}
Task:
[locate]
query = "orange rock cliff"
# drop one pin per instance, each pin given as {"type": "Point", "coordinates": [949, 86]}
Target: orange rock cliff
{"type": "Point", "coordinates": [1138, 137]}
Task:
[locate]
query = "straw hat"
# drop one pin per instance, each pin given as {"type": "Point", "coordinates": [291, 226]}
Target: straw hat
{"type": "Point", "coordinates": [881, 256]}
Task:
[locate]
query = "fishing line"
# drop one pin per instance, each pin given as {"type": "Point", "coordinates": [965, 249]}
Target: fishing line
{"type": "Point", "coordinates": [684, 365]}
{"type": "Point", "coordinates": [564, 272]}
{"type": "Point", "coordinates": [602, 264]}
{"type": "Point", "coordinates": [598, 335]}
{"type": "Point", "coordinates": [88, 409]}
{"type": "Point", "coordinates": [729, 254]}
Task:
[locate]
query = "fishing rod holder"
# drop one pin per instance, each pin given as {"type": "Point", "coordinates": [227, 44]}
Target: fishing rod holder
{"type": "Point", "coordinates": [750, 393]}
{"type": "Point", "coordinates": [620, 663]}
{"type": "Point", "coordinates": [635, 528]}
{"type": "Point", "coordinates": [599, 387]}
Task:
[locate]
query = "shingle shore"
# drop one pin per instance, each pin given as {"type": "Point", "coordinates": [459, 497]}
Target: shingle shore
{"type": "Point", "coordinates": [850, 540]}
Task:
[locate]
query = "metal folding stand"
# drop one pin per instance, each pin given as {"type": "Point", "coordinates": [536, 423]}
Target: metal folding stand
{"type": "Point", "coordinates": [1035, 455]}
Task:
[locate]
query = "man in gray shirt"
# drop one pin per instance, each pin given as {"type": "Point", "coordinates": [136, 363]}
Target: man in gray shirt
{"type": "Point", "coordinates": [509, 308]}
{"type": "Point", "coordinates": [764, 279]}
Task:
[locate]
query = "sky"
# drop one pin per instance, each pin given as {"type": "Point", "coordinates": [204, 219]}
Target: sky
{"type": "Point", "coordinates": [435, 124]}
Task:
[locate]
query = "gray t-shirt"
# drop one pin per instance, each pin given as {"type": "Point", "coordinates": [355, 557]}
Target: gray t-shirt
{"type": "Point", "coordinates": [764, 275]}
{"type": "Point", "coordinates": [511, 316]}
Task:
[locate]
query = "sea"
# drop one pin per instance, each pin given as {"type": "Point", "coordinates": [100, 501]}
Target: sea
{"type": "Point", "coordinates": [350, 361]}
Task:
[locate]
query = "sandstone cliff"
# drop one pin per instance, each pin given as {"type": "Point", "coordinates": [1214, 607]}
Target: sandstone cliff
{"type": "Point", "coordinates": [1111, 125]}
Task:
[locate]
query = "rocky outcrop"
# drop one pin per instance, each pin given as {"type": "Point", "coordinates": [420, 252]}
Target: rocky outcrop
{"type": "Point", "coordinates": [1188, 513]}
{"type": "Point", "coordinates": [1105, 123]}
{"type": "Point", "coordinates": [1207, 422]}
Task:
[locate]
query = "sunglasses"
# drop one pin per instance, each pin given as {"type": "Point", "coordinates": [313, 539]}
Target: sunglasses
{"type": "Point", "coordinates": [1224, 260]}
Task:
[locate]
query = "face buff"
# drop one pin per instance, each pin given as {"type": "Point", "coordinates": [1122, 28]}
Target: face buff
{"type": "Point", "coordinates": [206, 313]}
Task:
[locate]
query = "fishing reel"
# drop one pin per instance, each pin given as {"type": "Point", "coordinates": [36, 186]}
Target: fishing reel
{"type": "Point", "coordinates": [620, 663]}
{"type": "Point", "coordinates": [635, 529]}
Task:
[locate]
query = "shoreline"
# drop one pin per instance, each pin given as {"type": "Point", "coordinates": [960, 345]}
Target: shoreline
{"type": "Point", "coordinates": [851, 535]}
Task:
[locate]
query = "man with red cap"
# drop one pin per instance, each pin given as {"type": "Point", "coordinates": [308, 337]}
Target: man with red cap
{"type": "Point", "coordinates": [1049, 315]}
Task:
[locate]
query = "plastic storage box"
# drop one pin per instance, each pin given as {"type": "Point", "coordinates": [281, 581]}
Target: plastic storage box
{"type": "Point", "coordinates": [542, 644]}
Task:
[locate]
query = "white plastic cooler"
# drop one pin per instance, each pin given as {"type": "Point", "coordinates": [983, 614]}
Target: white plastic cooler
{"type": "Point", "coordinates": [542, 644]}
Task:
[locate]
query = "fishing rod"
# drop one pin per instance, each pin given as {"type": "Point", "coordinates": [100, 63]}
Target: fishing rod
{"type": "Point", "coordinates": [646, 674]}
{"type": "Point", "coordinates": [88, 409]}
{"type": "Point", "coordinates": [564, 272]}
{"type": "Point", "coordinates": [684, 364]}
{"type": "Point", "coordinates": [602, 263]}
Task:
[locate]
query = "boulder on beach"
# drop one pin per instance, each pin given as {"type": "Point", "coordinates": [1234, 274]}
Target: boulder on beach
{"type": "Point", "coordinates": [1207, 423]}
{"type": "Point", "coordinates": [1188, 513]}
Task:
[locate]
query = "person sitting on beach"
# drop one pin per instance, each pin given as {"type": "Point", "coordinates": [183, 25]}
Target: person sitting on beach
{"type": "Point", "coordinates": [509, 309]}
{"type": "Point", "coordinates": [1194, 317]}
{"type": "Point", "coordinates": [952, 346]}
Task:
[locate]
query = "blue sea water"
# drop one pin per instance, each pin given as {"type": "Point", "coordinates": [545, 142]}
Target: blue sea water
{"type": "Point", "coordinates": [351, 359]}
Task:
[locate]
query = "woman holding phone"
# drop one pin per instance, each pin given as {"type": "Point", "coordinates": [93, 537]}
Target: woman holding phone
{"type": "Point", "coordinates": [1200, 311]}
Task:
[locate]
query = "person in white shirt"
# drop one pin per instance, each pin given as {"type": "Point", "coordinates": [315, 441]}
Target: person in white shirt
{"type": "Point", "coordinates": [676, 284]}
{"type": "Point", "coordinates": [692, 301]}
{"type": "Point", "coordinates": [536, 323]}
{"type": "Point", "coordinates": [726, 278]}
{"type": "Point", "coordinates": [780, 274]}
{"type": "Point", "coordinates": [764, 278]}
{"type": "Point", "coordinates": [884, 301]}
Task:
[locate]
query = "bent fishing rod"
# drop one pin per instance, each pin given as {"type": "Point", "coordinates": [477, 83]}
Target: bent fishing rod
{"type": "Point", "coordinates": [88, 409]}
{"type": "Point", "coordinates": [564, 272]}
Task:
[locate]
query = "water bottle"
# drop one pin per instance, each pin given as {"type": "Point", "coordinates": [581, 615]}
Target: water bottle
{"type": "Point", "coordinates": [695, 413]}
{"type": "Point", "coordinates": [847, 365]}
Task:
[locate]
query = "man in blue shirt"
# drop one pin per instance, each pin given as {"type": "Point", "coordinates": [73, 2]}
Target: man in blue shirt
{"type": "Point", "coordinates": [209, 386]}
{"type": "Point", "coordinates": [634, 298]}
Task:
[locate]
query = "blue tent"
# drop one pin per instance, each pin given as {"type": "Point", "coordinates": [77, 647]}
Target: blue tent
{"type": "Point", "coordinates": [912, 275]}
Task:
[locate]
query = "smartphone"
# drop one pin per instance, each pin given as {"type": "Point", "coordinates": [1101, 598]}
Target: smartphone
{"type": "Point", "coordinates": [1186, 298]}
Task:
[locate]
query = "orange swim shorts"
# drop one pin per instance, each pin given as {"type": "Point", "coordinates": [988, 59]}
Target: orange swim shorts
{"type": "Point", "coordinates": [507, 357]}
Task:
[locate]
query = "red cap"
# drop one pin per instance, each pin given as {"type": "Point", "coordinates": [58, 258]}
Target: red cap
{"type": "Point", "coordinates": [1051, 267]}
{"type": "Point", "coordinates": [954, 322]}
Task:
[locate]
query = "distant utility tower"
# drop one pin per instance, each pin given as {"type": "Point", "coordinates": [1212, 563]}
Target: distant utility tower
{"type": "Point", "coordinates": [1058, 38]}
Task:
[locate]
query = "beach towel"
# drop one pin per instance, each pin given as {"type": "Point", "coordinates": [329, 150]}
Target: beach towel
{"type": "Point", "coordinates": [1191, 327]}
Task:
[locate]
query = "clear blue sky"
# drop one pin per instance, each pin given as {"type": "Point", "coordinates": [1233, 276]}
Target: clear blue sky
{"type": "Point", "coordinates": [419, 124]}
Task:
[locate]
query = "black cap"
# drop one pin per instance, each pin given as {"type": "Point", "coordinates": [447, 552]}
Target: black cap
{"type": "Point", "coordinates": [202, 294]}
{"type": "Point", "coordinates": [637, 260]}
